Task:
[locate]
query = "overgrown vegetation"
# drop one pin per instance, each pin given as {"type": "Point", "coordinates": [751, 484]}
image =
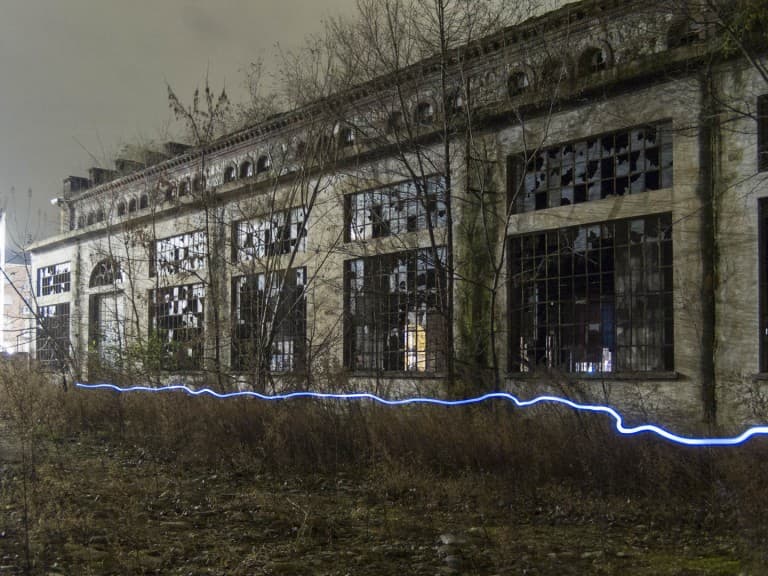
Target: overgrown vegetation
{"type": "Point", "coordinates": [100, 483]}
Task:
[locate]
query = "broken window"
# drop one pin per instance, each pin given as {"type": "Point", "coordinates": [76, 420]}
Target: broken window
{"type": "Point", "coordinates": [592, 60]}
{"type": "Point", "coordinates": [280, 233]}
{"type": "Point", "coordinates": [246, 169]}
{"type": "Point", "coordinates": [762, 208]}
{"type": "Point", "coordinates": [346, 137]}
{"type": "Point", "coordinates": [53, 335]}
{"type": "Point", "coordinates": [106, 326]}
{"type": "Point", "coordinates": [595, 298]}
{"type": "Point", "coordinates": [53, 279]}
{"type": "Point", "coordinates": [615, 164]}
{"type": "Point", "coordinates": [177, 254]}
{"type": "Point", "coordinates": [105, 273]}
{"type": "Point", "coordinates": [269, 313]}
{"type": "Point", "coordinates": [176, 318]}
{"type": "Point", "coordinates": [395, 209]}
{"type": "Point", "coordinates": [762, 133]}
{"type": "Point", "coordinates": [394, 320]}
{"type": "Point", "coordinates": [518, 83]}
{"type": "Point", "coordinates": [263, 164]}
{"type": "Point", "coordinates": [425, 113]}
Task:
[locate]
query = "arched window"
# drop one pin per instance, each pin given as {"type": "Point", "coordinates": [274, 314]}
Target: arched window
{"type": "Point", "coordinates": [143, 201]}
{"type": "Point", "coordinates": [246, 169]}
{"type": "Point", "coordinates": [121, 208]}
{"type": "Point", "coordinates": [198, 183]}
{"type": "Point", "coordinates": [132, 205]}
{"type": "Point", "coordinates": [91, 218]}
{"type": "Point", "coordinates": [553, 71]}
{"type": "Point", "coordinates": [263, 164]}
{"type": "Point", "coordinates": [518, 83]}
{"type": "Point", "coordinates": [684, 32]}
{"type": "Point", "coordinates": [183, 188]}
{"type": "Point", "coordinates": [346, 137]}
{"type": "Point", "coordinates": [425, 113]}
{"type": "Point", "coordinates": [229, 174]}
{"type": "Point", "coordinates": [100, 215]}
{"type": "Point", "coordinates": [457, 101]}
{"type": "Point", "coordinates": [170, 192]}
{"type": "Point", "coordinates": [394, 121]}
{"type": "Point", "coordinates": [105, 273]}
{"type": "Point", "coordinates": [80, 221]}
{"type": "Point", "coordinates": [592, 60]}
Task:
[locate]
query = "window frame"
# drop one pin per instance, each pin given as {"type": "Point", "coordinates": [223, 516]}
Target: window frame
{"type": "Point", "coordinates": [394, 332]}
{"type": "Point", "coordinates": [288, 347]}
{"type": "Point", "coordinates": [596, 306]}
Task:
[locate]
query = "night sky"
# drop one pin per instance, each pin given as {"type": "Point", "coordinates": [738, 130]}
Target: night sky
{"type": "Point", "coordinates": [80, 78]}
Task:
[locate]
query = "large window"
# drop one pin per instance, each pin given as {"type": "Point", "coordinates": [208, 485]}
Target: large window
{"type": "Point", "coordinates": [269, 313]}
{"type": "Point", "coordinates": [53, 279]}
{"type": "Point", "coordinates": [177, 254]}
{"type": "Point", "coordinates": [395, 209]}
{"type": "Point", "coordinates": [53, 335]}
{"type": "Point", "coordinates": [279, 233]}
{"type": "Point", "coordinates": [625, 162]}
{"type": "Point", "coordinates": [394, 313]}
{"type": "Point", "coordinates": [762, 133]}
{"type": "Point", "coordinates": [176, 319]}
{"type": "Point", "coordinates": [594, 298]}
{"type": "Point", "coordinates": [762, 208]}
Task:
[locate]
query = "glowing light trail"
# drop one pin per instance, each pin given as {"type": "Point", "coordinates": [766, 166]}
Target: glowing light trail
{"type": "Point", "coordinates": [618, 420]}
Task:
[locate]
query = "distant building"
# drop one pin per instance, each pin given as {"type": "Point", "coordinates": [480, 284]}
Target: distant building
{"type": "Point", "coordinates": [616, 171]}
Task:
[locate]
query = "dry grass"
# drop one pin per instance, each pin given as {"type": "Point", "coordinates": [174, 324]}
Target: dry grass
{"type": "Point", "coordinates": [570, 469]}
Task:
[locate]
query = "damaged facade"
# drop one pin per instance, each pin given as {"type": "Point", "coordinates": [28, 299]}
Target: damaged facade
{"type": "Point", "coordinates": [601, 235]}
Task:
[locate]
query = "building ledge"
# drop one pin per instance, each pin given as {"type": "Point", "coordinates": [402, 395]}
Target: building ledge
{"type": "Point", "coordinates": [600, 376]}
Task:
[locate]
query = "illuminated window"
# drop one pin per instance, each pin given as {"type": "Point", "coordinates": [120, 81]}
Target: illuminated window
{"type": "Point", "coordinates": [626, 162]}
{"type": "Point", "coordinates": [53, 279]}
{"type": "Point", "coordinates": [280, 233]}
{"type": "Point", "coordinates": [178, 254]}
{"type": "Point", "coordinates": [53, 335]}
{"type": "Point", "coordinates": [595, 298]}
{"type": "Point", "coordinates": [177, 319]}
{"type": "Point", "coordinates": [393, 312]}
{"type": "Point", "coordinates": [395, 209]}
{"type": "Point", "coordinates": [269, 314]}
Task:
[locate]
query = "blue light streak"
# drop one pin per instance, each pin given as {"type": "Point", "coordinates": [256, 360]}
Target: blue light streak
{"type": "Point", "coordinates": [618, 420]}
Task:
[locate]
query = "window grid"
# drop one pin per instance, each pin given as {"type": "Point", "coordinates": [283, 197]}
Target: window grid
{"type": "Point", "coordinates": [594, 298]}
{"type": "Point", "coordinates": [55, 279]}
{"type": "Point", "coordinates": [177, 318]}
{"type": "Point", "coordinates": [53, 335]}
{"type": "Point", "coordinates": [626, 162]}
{"type": "Point", "coordinates": [280, 233]}
{"type": "Point", "coordinates": [395, 209]}
{"type": "Point", "coordinates": [177, 254]}
{"type": "Point", "coordinates": [762, 208]}
{"type": "Point", "coordinates": [762, 133]}
{"type": "Point", "coordinates": [393, 312]}
{"type": "Point", "coordinates": [269, 306]}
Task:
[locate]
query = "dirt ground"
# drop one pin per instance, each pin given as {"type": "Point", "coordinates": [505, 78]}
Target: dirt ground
{"type": "Point", "coordinates": [80, 507]}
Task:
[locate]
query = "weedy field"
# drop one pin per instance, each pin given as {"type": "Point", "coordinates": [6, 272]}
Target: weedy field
{"type": "Point", "coordinates": [98, 483]}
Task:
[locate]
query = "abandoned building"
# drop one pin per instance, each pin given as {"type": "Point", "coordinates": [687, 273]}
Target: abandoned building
{"type": "Point", "coordinates": [600, 232]}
